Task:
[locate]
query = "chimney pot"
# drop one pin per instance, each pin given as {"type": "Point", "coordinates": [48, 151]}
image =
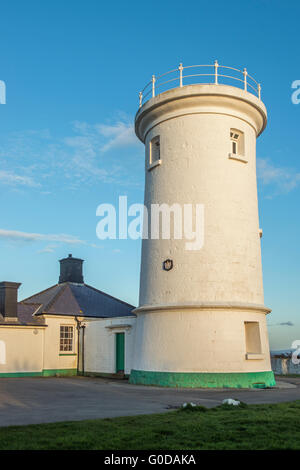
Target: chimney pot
{"type": "Point", "coordinates": [71, 270]}
{"type": "Point", "coordinates": [9, 299]}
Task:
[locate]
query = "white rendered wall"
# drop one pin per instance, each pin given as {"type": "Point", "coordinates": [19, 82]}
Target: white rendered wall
{"type": "Point", "coordinates": [100, 344]}
{"type": "Point", "coordinates": [54, 359]}
{"type": "Point", "coordinates": [193, 340]}
{"type": "Point", "coordinates": [195, 169]}
{"type": "Point", "coordinates": [24, 348]}
{"type": "Point", "coordinates": [172, 334]}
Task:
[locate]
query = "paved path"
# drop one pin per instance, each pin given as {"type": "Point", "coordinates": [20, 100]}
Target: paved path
{"type": "Point", "coordinates": [44, 400]}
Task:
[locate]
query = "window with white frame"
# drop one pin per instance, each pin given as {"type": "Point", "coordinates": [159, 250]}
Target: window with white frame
{"type": "Point", "coordinates": [235, 140]}
{"type": "Point", "coordinates": [154, 150]}
{"type": "Point", "coordinates": [66, 338]}
{"type": "Point", "coordinates": [237, 144]}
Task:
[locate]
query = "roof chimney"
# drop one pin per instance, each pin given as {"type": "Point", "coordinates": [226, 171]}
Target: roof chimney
{"type": "Point", "coordinates": [71, 270]}
{"type": "Point", "coordinates": [9, 300]}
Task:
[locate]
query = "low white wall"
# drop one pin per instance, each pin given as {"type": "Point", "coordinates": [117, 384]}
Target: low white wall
{"type": "Point", "coordinates": [284, 366]}
{"type": "Point", "coordinates": [21, 350]}
{"type": "Point", "coordinates": [100, 344]}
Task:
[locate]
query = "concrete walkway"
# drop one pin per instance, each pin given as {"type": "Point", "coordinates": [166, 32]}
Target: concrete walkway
{"type": "Point", "coordinates": [45, 400]}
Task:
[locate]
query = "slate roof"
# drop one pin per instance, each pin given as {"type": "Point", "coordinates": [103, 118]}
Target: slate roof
{"type": "Point", "coordinates": [25, 316]}
{"type": "Point", "coordinates": [82, 300]}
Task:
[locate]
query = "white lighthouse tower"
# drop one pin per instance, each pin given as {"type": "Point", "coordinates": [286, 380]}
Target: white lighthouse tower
{"type": "Point", "coordinates": [201, 320]}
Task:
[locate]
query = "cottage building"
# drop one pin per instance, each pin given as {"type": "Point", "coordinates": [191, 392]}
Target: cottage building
{"type": "Point", "coordinates": [68, 329]}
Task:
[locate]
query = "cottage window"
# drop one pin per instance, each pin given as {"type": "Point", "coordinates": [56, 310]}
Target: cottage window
{"type": "Point", "coordinates": [66, 338]}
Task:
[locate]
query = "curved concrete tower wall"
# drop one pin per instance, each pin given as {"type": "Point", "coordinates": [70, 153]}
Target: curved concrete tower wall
{"type": "Point", "coordinates": [193, 321]}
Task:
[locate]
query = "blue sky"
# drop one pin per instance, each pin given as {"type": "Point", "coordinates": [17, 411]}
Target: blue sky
{"type": "Point", "coordinates": [73, 70]}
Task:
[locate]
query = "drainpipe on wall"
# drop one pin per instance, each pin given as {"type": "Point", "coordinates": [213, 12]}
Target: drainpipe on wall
{"type": "Point", "coordinates": [82, 359]}
{"type": "Point", "coordinates": [78, 343]}
{"type": "Point", "coordinates": [80, 326]}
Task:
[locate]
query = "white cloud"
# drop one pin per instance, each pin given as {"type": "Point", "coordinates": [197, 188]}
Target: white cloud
{"type": "Point", "coordinates": [12, 179]}
{"type": "Point", "coordinates": [284, 179]}
{"type": "Point", "coordinates": [36, 159]}
{"type": "Point", "coordinates": [14, 235]}
{"type": "Point", "coordinates": [90, 144]}
{"type": "Point", "coordinates": [119, 135]}
{"type": "Point", "coordinates": [48, 249]}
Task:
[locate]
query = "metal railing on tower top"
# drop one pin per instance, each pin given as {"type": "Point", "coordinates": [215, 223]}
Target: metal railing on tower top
{"type": "Point", "coordinates": [178, 78]}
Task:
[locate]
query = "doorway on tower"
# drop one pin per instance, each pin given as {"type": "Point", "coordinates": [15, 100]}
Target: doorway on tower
{"type": "Point", "coordinates": [120, 353]}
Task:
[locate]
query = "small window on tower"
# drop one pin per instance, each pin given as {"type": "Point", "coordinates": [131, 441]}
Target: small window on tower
{"type": "Point", "coordinates": [154, 153]}
{"type": "Point", "coordinates": [237, 145]}
{"type": "Point", "coordinates": [253, 341]}
{"type": "Point", "coordinates": [155, 149]}
{"type": "Point", "coordinates": [234, 136]}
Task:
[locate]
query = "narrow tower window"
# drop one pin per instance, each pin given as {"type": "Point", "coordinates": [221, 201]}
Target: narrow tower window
{"type": "Point", "coordinates": [154, 150]}
{"type": "Point", "coordinates": [252, 334]}
{"type": "Point", "coordinates": [234, 136]}
{"type": "Point", "coordinates": [237, 145]}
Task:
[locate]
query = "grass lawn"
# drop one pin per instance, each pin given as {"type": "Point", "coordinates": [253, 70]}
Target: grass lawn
{"type": "Point", "coordinates": [224, 427]}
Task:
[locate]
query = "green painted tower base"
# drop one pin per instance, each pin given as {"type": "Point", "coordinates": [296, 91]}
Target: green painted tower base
{"type": "Point", "coordinates": [203, 379]}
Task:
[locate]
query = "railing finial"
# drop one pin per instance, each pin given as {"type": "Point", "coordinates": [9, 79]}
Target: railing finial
{"type": "Point", "coordinates": [153, 85]}
{"type": "Point", "coordinates": [216, 72]}
{"type": "Point", "coordinates": [180, 68]}
{"type": "Point", "coordinates": [245, 78]}
{"type": "Point", "coordinates": [141, 98]}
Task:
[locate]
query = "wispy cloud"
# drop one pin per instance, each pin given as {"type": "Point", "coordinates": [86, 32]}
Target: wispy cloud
{"type": "Point", "coordinates": [283, 179]}
{"type": "Point", "coordinates": [48, 249]}
{"type": "Point", "coordinates": [285, 323]}
{"type": "Point", "coordinates": [92, 141]}
{"type": "Point", "coordinates": [120, 134]}
{"type": "Point", "coordinates": [14, 235]}
{"type": "Point", "coordinates": [89, 153]}
{"type": "Point", "coordinates": [12, 179]}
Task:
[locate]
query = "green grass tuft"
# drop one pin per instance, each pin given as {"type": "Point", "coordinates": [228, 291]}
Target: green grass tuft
{"type": "Point", "coordinates": [189, 408]}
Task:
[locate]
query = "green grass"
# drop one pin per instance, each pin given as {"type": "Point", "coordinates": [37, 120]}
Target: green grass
{"type": "Point", "coordinates": [225, 427]}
